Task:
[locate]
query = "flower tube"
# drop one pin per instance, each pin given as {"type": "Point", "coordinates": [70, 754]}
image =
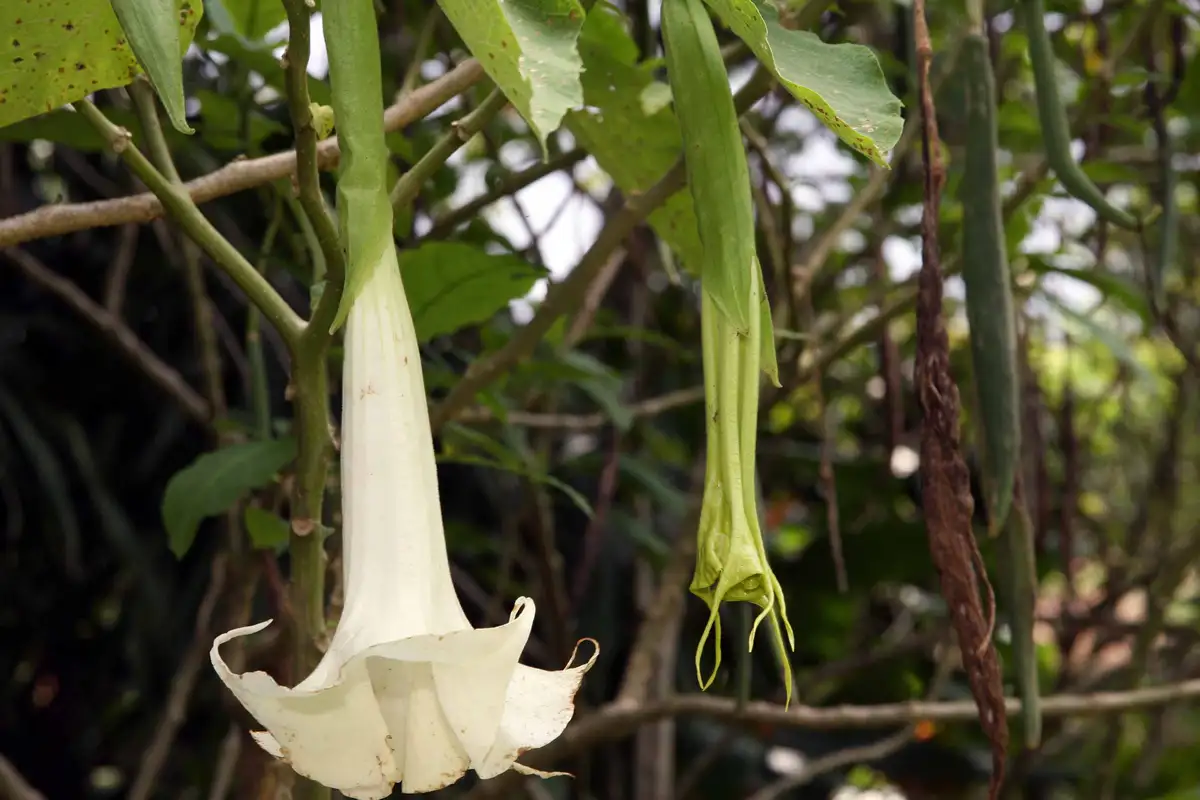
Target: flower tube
{"type": "Point", "coordinates": [407, 692]}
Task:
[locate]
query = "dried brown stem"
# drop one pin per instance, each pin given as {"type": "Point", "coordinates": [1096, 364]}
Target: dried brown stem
{"type": "Point", "coordinates": [945, 481]}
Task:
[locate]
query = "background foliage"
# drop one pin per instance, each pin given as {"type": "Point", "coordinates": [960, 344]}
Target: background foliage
{"type": "Point", "coordinates": [572, 477]}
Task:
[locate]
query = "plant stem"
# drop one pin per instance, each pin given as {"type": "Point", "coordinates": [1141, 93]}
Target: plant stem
{"type": "Point", "coordinates": [409, 186]}
{"type": "Point", "coordinates": [308, 176]}
{"type": "Point", "coordinates": [180, 206]}
{"type": "Point", "coordinates": [310, 376]}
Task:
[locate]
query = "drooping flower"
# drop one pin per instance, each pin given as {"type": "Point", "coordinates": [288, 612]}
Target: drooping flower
{"type": "Point", "coordinates": [407, 692]}
{"type": "Point", "coordinates": [731, 557]}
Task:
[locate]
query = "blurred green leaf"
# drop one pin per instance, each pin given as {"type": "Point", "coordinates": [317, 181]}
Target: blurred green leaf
{"type": "Point", "coordinates": [267, 531]}
{"type": "Point", "coordinates": [1114, 287]}
{"type": "Point", "coordinates": [221, 127]}
{"type": "Point", "coordinates": [215, 481]}
{"type": "Point", "coordinates": [250, 19]}
{"type": "Point", "coordinates": [602, 384]}
{"type": "Point", "coordinates": [451, 285]}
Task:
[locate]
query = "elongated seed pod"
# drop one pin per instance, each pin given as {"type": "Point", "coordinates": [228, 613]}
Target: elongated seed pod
{"type": "Point", "coordinates": [1055, 129]}
{"type": "Point", "coordinates": [989, 288]}
{"type": "Point", "coordinates": [1020, 573]}
{"type": "Point", "coordinates": [718, 177]}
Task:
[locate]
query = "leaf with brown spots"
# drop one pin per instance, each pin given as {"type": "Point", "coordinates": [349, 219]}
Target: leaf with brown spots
{"type": "Point", "coordinates": [842, 84]}
{"type": "Point", "coordinates": [54, 53]}
{"type": "Point", "coordinates": [528, 47]}
{"type": "Point", "coordinates": [945, 481]}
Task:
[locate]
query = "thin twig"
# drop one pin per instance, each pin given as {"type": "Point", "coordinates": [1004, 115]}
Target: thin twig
{"type": "Point", "coordinates": [13, 785]}
{"type": "Point", "coordinates": [194, 223]}
{"type": "Point", "coordinates": [618, 719]}
{"type": "Point", "coordinates": [813, 268]}
{"type": "Point", "coordinates": [118, 272]}
{"type": "Point", "coordinates": [55, 220]}
{"type": "Point", "coordinates": [856, 755]}
{"type": "Point", "coordinates": [667, 607]}
{"type": "Point", "coordinates": [409, 185]}
{"type": "Point", "coordinates": [582, 422]}
{"type": "Point", "coordinates": [182, 684]}
{"type": "Point", "coordinates": [227, 759]}
{"type": "Point", "coordinates": [444, 225]}
{"type": "Point", "coordinates": [146, 104]}
{"type": "Point", "coordinates": [134, 349]}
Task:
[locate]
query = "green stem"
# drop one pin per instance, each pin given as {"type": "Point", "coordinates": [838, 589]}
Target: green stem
{"type": "Point", "coordinates": [409, 186]}
{"type": "Point", "coordinates": [180, 206]}
{"type": "Point", "coordinates": [315, 341]}
{"type": "Point", "coordinates": [310, 372]}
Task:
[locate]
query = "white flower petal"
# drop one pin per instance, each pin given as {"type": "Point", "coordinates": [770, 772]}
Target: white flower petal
{"type": "Point", "coordinates": [421, 711]}
{"type": "Point", "coordinates": [407, 692]}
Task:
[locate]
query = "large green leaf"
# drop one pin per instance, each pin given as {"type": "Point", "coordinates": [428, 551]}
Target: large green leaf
{"type": "Point", "coordinates": [215, 481]}
{"type": "Point", "coordinates": [841, 83]}
{"type": "Point", "coordinates": [633, 137]}
{"type": "Point", "coordinates": [49, 58]}
{"type": "Point", "coordinates": [152, 27]}
{"type": "Point", "coordinates": [528, 47]}
{"type": "Point", "coordinates": [451, 285]}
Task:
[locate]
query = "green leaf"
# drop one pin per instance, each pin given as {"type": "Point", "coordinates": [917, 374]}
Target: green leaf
{"type": "Point", "coordinates": [1085, 327]}
{"type": "Point", "coordinates": [221, 125]}
{"type": "Point", "coordinates": [267, 531]}
{"type": "Point", "coordinates": [537, 477]}
{"type": "Point", "coordinates": [528, 47]}
{"type": "Point", "coordinates": [250, 19]}
{"type": "Point", "coordinates": [842, 84]}
{"type": "Point", "coordinates": [67, 128]}
{"type": "Point", "coordinates": [50, 59]}
{"type": "Point", "coordinates": [603, 385]}
{"type": "Point", "coordinates": [152, 27]}
{"type": "Point", "coordinates": [215, 481]}
{"type": "Point", "coordinates": [1114, 287]}
{"type": "Point", "coordinates": [260, 58]}
{"type": "Point", "coordinates": [451, 285]}
{"type": "Point", "coordinates": [634, 147]}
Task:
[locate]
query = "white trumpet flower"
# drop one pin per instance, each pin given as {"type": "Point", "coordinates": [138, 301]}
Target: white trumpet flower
{"type": "Point", "coordinates": [407, 692]}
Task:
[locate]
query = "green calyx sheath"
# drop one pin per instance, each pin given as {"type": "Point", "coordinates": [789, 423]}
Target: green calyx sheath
{"type": "Point", "coordinates": [731, 558]}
